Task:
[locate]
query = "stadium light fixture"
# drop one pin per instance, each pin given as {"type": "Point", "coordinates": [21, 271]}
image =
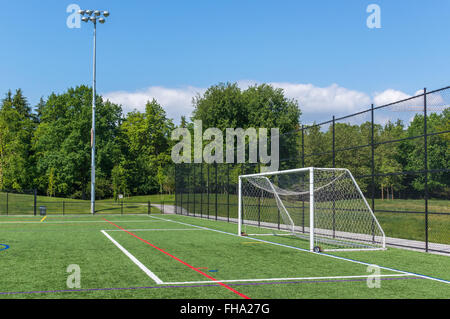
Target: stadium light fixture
{"type": "Point", "coordinates": [93, 16]}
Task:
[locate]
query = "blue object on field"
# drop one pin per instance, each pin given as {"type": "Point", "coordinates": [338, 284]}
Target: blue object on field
{"type": "Point", "coordinates": [5, 247]}
{"type": "Point", "coordinates": [213, 270]}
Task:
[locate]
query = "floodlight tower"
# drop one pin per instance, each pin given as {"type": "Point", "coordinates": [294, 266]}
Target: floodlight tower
{"type": "Point", "coordinates": [93, 16]}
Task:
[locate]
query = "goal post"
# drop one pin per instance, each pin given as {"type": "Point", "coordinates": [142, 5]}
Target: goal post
{"type": "Point", "coordinates": [323, 207]}
{"type": "Point", "coordinates": [311, 209]}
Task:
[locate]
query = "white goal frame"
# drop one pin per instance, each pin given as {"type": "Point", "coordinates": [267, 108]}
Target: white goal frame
{"type": "Point", "coordinates": [310, 170]}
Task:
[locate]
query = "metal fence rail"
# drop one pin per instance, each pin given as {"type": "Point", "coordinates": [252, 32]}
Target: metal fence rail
{"type": "Point", "coordinates": [416, 214]}
{"type": "Point", "coordinates": [13, 202]}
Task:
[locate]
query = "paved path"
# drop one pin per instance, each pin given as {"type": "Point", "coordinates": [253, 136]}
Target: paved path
{"type": "Point", "coordinates": [390, 241]}
{"type": "Point", "coordinates": [167, 209]}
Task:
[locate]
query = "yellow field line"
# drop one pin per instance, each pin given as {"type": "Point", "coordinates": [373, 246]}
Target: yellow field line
{"type": "Point", "coordinates": [43, 219]}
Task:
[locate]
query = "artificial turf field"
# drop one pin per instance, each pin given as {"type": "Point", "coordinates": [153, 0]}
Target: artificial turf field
{"type": "Point", "coordinates": [171, 256]}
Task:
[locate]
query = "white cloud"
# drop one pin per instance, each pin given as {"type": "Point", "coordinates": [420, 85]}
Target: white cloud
{"type": "Point", "coordinates": [175, 101]}
{"type": "Point", "coordinates": [315, 102]}
{"type": "Point", "coordinates": [389, 96]}
{"type": "Point", "coordinates": [418, 92]}
{"type": "Point", "coordinates": [382, 119]}
{"type": "Point", "coordinates": [414, 103]}
{"type": "Point", "coordinates": [333, 99]}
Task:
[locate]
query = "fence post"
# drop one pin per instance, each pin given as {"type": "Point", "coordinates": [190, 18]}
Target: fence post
{"type": "Point", "coordinates": [228, 192]}
{"type": "Point", "coordinates": [162, 211]}
{"type": "Point", "coordinates": [149, 208]}
{"type": "Point", "coordinates": [334, 165]}
{"type": "Point", "coordinates": [216, 188]}
{"type": "Point", "coordinates": [193, 187]}
{"type": "Point", "coordinates": [372, 146]}
{"type": "Point", "coordinates": [303, 200]}
{"type": "Point", "coordinates": [259, 208]}
{"type": "Point", "coordinates": [35, 201]}
{"type": "Point", "coordinates": [207, 192]}
{"type": "Point", "coordinates": [303, 146]}
{"type": "Point", "coordinates": [259, 200]}
{"type": "Point", "coordinates": [181, 201]}
{"type": "Point", "coordinates": [333, 141]}
{"type": "Point", "coordinates": [175, 190]}
{"type": "Point", "coordinates": [121, 207]}
{"type": "Point", "coordinates": [63, 208]}
{"type": "Point", "coordinates": [201, 190]}
{"type": "Point", "coordinates": [242, 200]}
{"type": "Point", "coordinates": [188, 192]}
{"type": "Point", "coordinates": [425, 132]}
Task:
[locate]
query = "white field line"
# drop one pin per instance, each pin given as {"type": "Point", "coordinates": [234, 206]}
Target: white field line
{"type": "Point", "coordinates": [71, 215]}
{"type": "Point", "coordinates": [158, 229]}
{"type": "Point", "coordinates": [76, 222]}
{"type": "Point", "coordinates": [305, 250]}
{"type": "Point", "coordinates": [287, 279]}
{"type": "Point", "coordinates": [269, 234]}
{"type": "Point", "coordinates": [134, 259]}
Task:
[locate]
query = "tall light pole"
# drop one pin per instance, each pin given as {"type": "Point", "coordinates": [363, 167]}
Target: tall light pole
{"type": "Point", "coordinates": [93, 16]}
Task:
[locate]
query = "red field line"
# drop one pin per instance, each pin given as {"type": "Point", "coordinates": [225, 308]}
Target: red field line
{"type": "Point", "coordinates": [181, 261]}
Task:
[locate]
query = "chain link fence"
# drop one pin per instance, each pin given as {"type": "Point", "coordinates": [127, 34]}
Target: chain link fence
{"type": "Point", "coordinates": [28, 202]}
{"type": "Point", "coordinates": [398, 153]}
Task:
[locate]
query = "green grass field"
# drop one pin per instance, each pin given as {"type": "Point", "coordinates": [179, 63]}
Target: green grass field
{"type": "Point", "coordinates": [188, 257]}
{"type": "Point", "coordinates": [403, 224]}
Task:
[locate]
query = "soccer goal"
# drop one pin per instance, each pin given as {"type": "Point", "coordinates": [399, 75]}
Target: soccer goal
{"type": "Point", "coordinates": [322, 206]}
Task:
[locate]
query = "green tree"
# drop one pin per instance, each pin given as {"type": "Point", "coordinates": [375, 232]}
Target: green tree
{"type": "Point", "coordinates": [261, 106]}
{"type": "Point", "coordinates": [62, 141]}
{"type": "Point", "coordinates": [267, 107]}
{"type": "Point", "coordinates": [39, 107]}
{"type": "Point", "coordinates": [146, 146]}
{"type": "Point", "coordinates": [51, 183]}
{"type": "Point", "coordinates": [388, 157]}
{"type": "Point", "coordinates": [16, 129]}
{"type": "Point", "coordinates": [20, 104]}
{"type": "Point", "coordinates": [160, 177]}
{"type": "Point", "coordinates": [317, 143]}
{"type": "Point", "coordinates": [413, 152]}
{"type": "Point", "coordinates": [221, 106]}
{"type": "Point", "coordinates": [119, 181]}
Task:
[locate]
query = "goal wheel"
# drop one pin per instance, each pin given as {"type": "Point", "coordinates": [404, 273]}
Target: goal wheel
{"type": "Point", "coordinates": [243, 234]}
{"type": "Point", "coordinates": [317, 249]}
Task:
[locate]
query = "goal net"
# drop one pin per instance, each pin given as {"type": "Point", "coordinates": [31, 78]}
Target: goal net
{"type": "Point", "coordinates": [324, 207]}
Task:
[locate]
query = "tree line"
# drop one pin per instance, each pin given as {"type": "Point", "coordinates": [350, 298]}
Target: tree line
{"type": "Point", "coordinates": [398, 166]}
{"type": "Point", "coordinates": [399, 154]}
{"type": "Point", "coordinates": [48, 147]}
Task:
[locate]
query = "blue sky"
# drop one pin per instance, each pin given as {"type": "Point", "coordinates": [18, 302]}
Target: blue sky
{"type": "Point", "coordinates": [321, 52]}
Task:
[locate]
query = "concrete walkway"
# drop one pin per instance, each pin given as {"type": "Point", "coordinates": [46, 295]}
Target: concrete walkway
{"type": "Point", "coordinates": [167, 209]}
{"type": "Point", "coordinates": [390, 241]}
